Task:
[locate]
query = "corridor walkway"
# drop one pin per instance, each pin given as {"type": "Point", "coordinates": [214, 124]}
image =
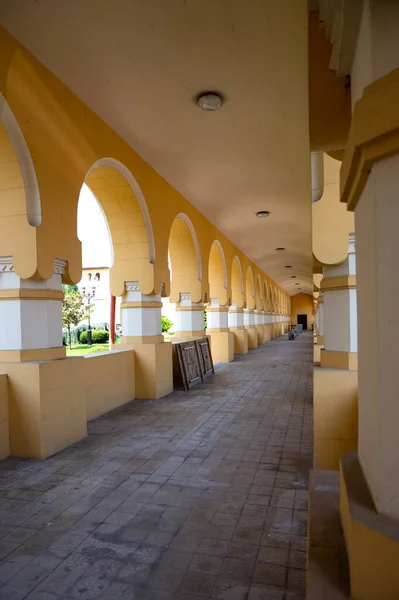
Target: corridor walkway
{"type": "Point", "coordinates": [200, 495]}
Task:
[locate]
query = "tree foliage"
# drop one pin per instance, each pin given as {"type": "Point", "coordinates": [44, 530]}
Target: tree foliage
{"type": "Point", "coordinates": [73, 309]}
{"type": "Point", "coordinates": [166, 324]}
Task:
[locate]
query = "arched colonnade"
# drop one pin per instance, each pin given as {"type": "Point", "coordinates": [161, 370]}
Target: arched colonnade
{"type": "Point", "coordinates": [50, 145]}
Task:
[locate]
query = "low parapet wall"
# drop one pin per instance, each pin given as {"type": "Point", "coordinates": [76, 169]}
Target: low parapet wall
{"type": "Point", "coordinates": [108, 381]}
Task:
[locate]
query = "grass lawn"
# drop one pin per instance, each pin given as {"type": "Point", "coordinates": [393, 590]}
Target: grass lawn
{"type": "Point", "coordinates": [79, 349]}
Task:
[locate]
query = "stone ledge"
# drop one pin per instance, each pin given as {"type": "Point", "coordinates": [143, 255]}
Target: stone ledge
{"type": "Point", "coordinates": [327, 571]}
{"type": "Point", "coordinates": [372, 539]}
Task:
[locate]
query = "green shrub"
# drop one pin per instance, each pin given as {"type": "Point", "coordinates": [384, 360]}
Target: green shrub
{"type": "Point", "coordinates": [98, 336]}
{"type": "Point", "coordinates": [166, 324]}
{"type": "Point", "coordinates": [205, 319]}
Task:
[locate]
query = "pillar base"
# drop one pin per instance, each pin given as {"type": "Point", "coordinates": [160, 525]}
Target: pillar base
{"type": "Point", "coordinates": [222, 346]}
{"type": "Point", "coordinates": [240, 340]}
{"type": "Point", "coordinates": [317, 348]}
{"type": "Point", "coordinates": [260, 331]}
{"type": "Point", "coordinates": [153, 369]}
{"type": "Point", "coordinates": [335, 416]}
{"type": "Point", "coordinates": [252, 336]}
{"type": "Point", "coordinates": [47, 406]}
{"type": "Point", "coordinates": [338, 360]}
{"type": "Point", "coordinates": [268, 332]}
{"type": "Point", "coordinates": [372, 539]}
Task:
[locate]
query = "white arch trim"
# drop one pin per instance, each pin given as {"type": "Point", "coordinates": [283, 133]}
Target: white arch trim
{"type": "Point", "coordinates": [241, 275]}
{"type": "Point", "coordinates": [266, 292]}
{"type": "Point", "coordinates": [24, 158]}
{"type": "Point", "coordinates": [260, 286]}
{"type": "Point", "coordinates": [249, 270]}
{"type": "Point", "coordinates": [190, 226]}
{"type": "Point", "coordinates": [220, 247]}
{"type": "Point", "coordinates": [124, 171]}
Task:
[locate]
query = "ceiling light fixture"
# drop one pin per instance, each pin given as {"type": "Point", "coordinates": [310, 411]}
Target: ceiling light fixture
{"type": "Point", "coordinates": [210, 101]}
{"type": "Point", "coordinates": [288, 266]}
{"type": "Point", "coordinates": [280, 249]}
{"type": "Point", "coordinates": [293, 276]}
{"type": "Point", "coordinates": [262, 214]}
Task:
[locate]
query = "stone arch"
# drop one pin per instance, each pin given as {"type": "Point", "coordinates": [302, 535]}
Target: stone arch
{"type": "Point", "coordinates": [259, 293]}
{"type": "Point", "coordinates": [20, 206]}
{"type": "Point", "coordinates": [129, 225]}
{"type": "Point", "coordinates": [185, 259]}
{"type": "Point", "coordinates": [266, 296]}
{"type": "Point", "coordinates": [217, 270]}
{"type": "Point", "coordinates": [237, 283]}
{"type": "Point", "coordinates": [250, 289]}
{"type": "Point", "coordinates": [9, 126]}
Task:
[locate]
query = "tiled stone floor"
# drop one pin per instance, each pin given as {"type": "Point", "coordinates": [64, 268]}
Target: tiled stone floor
{"type": "Point", "coordinates": [199, 495]}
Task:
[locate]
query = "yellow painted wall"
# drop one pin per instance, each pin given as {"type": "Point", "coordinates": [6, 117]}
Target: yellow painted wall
{"type": "Point", "coordinates": [108, 380]}
{"type": "Point", "coordinates": [302, 304]}
{"type": "Point", "coordinates": [65, 139]}
{"type": "Point", "coordinates": [4, 425]}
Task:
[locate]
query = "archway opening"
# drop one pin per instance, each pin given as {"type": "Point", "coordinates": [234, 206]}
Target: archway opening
{"type": "Point", "coordinates": [237, 283]}
{"type": "Point", "coordinates": [218, 274]}
{"type": "Point", "coordinates": [185, 260]}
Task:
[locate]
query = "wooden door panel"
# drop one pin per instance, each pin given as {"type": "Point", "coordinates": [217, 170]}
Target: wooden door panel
{"type": "Point", "coordinates": [189, 364]}
{"type": "Point", "coordinates": [205, 357]}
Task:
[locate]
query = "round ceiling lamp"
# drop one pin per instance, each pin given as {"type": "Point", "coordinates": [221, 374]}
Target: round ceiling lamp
{"type": "Point", "coordinates": [210, 101]}
{"type": "Point", "coordinates": [280, 249]}
{"type": "Point", "coordinates": [288, 266]}
{"type": "Point", "coordinates": [262, 214]}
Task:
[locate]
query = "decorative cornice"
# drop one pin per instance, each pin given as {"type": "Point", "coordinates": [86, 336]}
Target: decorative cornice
{"type": "Point", "coordinates": [373, 136]}
{"type": "Point", "coordinates": [132, 286]}
{"type": "Point", "coordinates": [6, 264]}
{"type": "Point", "coordinates": [344, 282]}
{"type": "Point", "coordinates": [59, 266]}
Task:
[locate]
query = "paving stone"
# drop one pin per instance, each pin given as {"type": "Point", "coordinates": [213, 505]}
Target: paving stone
{"type": "Point", "coordinates": [202, 494]}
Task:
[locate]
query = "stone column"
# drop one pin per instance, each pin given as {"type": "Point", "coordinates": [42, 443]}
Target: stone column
{"type": "Point", "coordinates": [260, 332]}
{"type": "Point", "coordinates": [317, 322]}
{"type": "Point", "coordinates": [46, 394]}
{"type": "Point", "coordinates": [30, 315]}
{"type": "Point", "coordinates": [190, 319]}
{"type": "Point", "coordinates": [268, 327]}
{"type": "Point", "coordinates": [236, 325]}
{"type": "Point", "coordinates": [320, 337]}
{"type": "Point", "coordinates": [249, 324]}
{"type": "Point", "coordinates": [142, 331]}
{"type": "Point", "coordinates": [340, 313]}
{"type": "Point", "coordinates": [222, 339]}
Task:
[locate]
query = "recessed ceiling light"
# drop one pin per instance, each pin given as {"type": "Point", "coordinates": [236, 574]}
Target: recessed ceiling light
{"type": "Point", "coordinates": [262, 214]}
{"type": "Point", "coordinates": [288, 266]}
{"type": "Point", "coordinates": [210, 101]}
{"type": "Point", "coordinates": [280, 249]}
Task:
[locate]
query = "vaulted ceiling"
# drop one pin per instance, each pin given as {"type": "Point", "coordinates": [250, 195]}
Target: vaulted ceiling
{"type": "Point", "coordinates": [139, 64]}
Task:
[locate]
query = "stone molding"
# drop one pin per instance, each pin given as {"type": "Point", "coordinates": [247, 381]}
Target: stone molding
{"type": "Point", "coordinates": [31, 294]}
{"type": "Point", "coordinates": [373, 135]}
{"type": "Point", "coordinates": [343, 282]}
{"type": "Point", "coordinates": [132, 286]}
{"type": "Point", "coordinates": [139, 304]}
